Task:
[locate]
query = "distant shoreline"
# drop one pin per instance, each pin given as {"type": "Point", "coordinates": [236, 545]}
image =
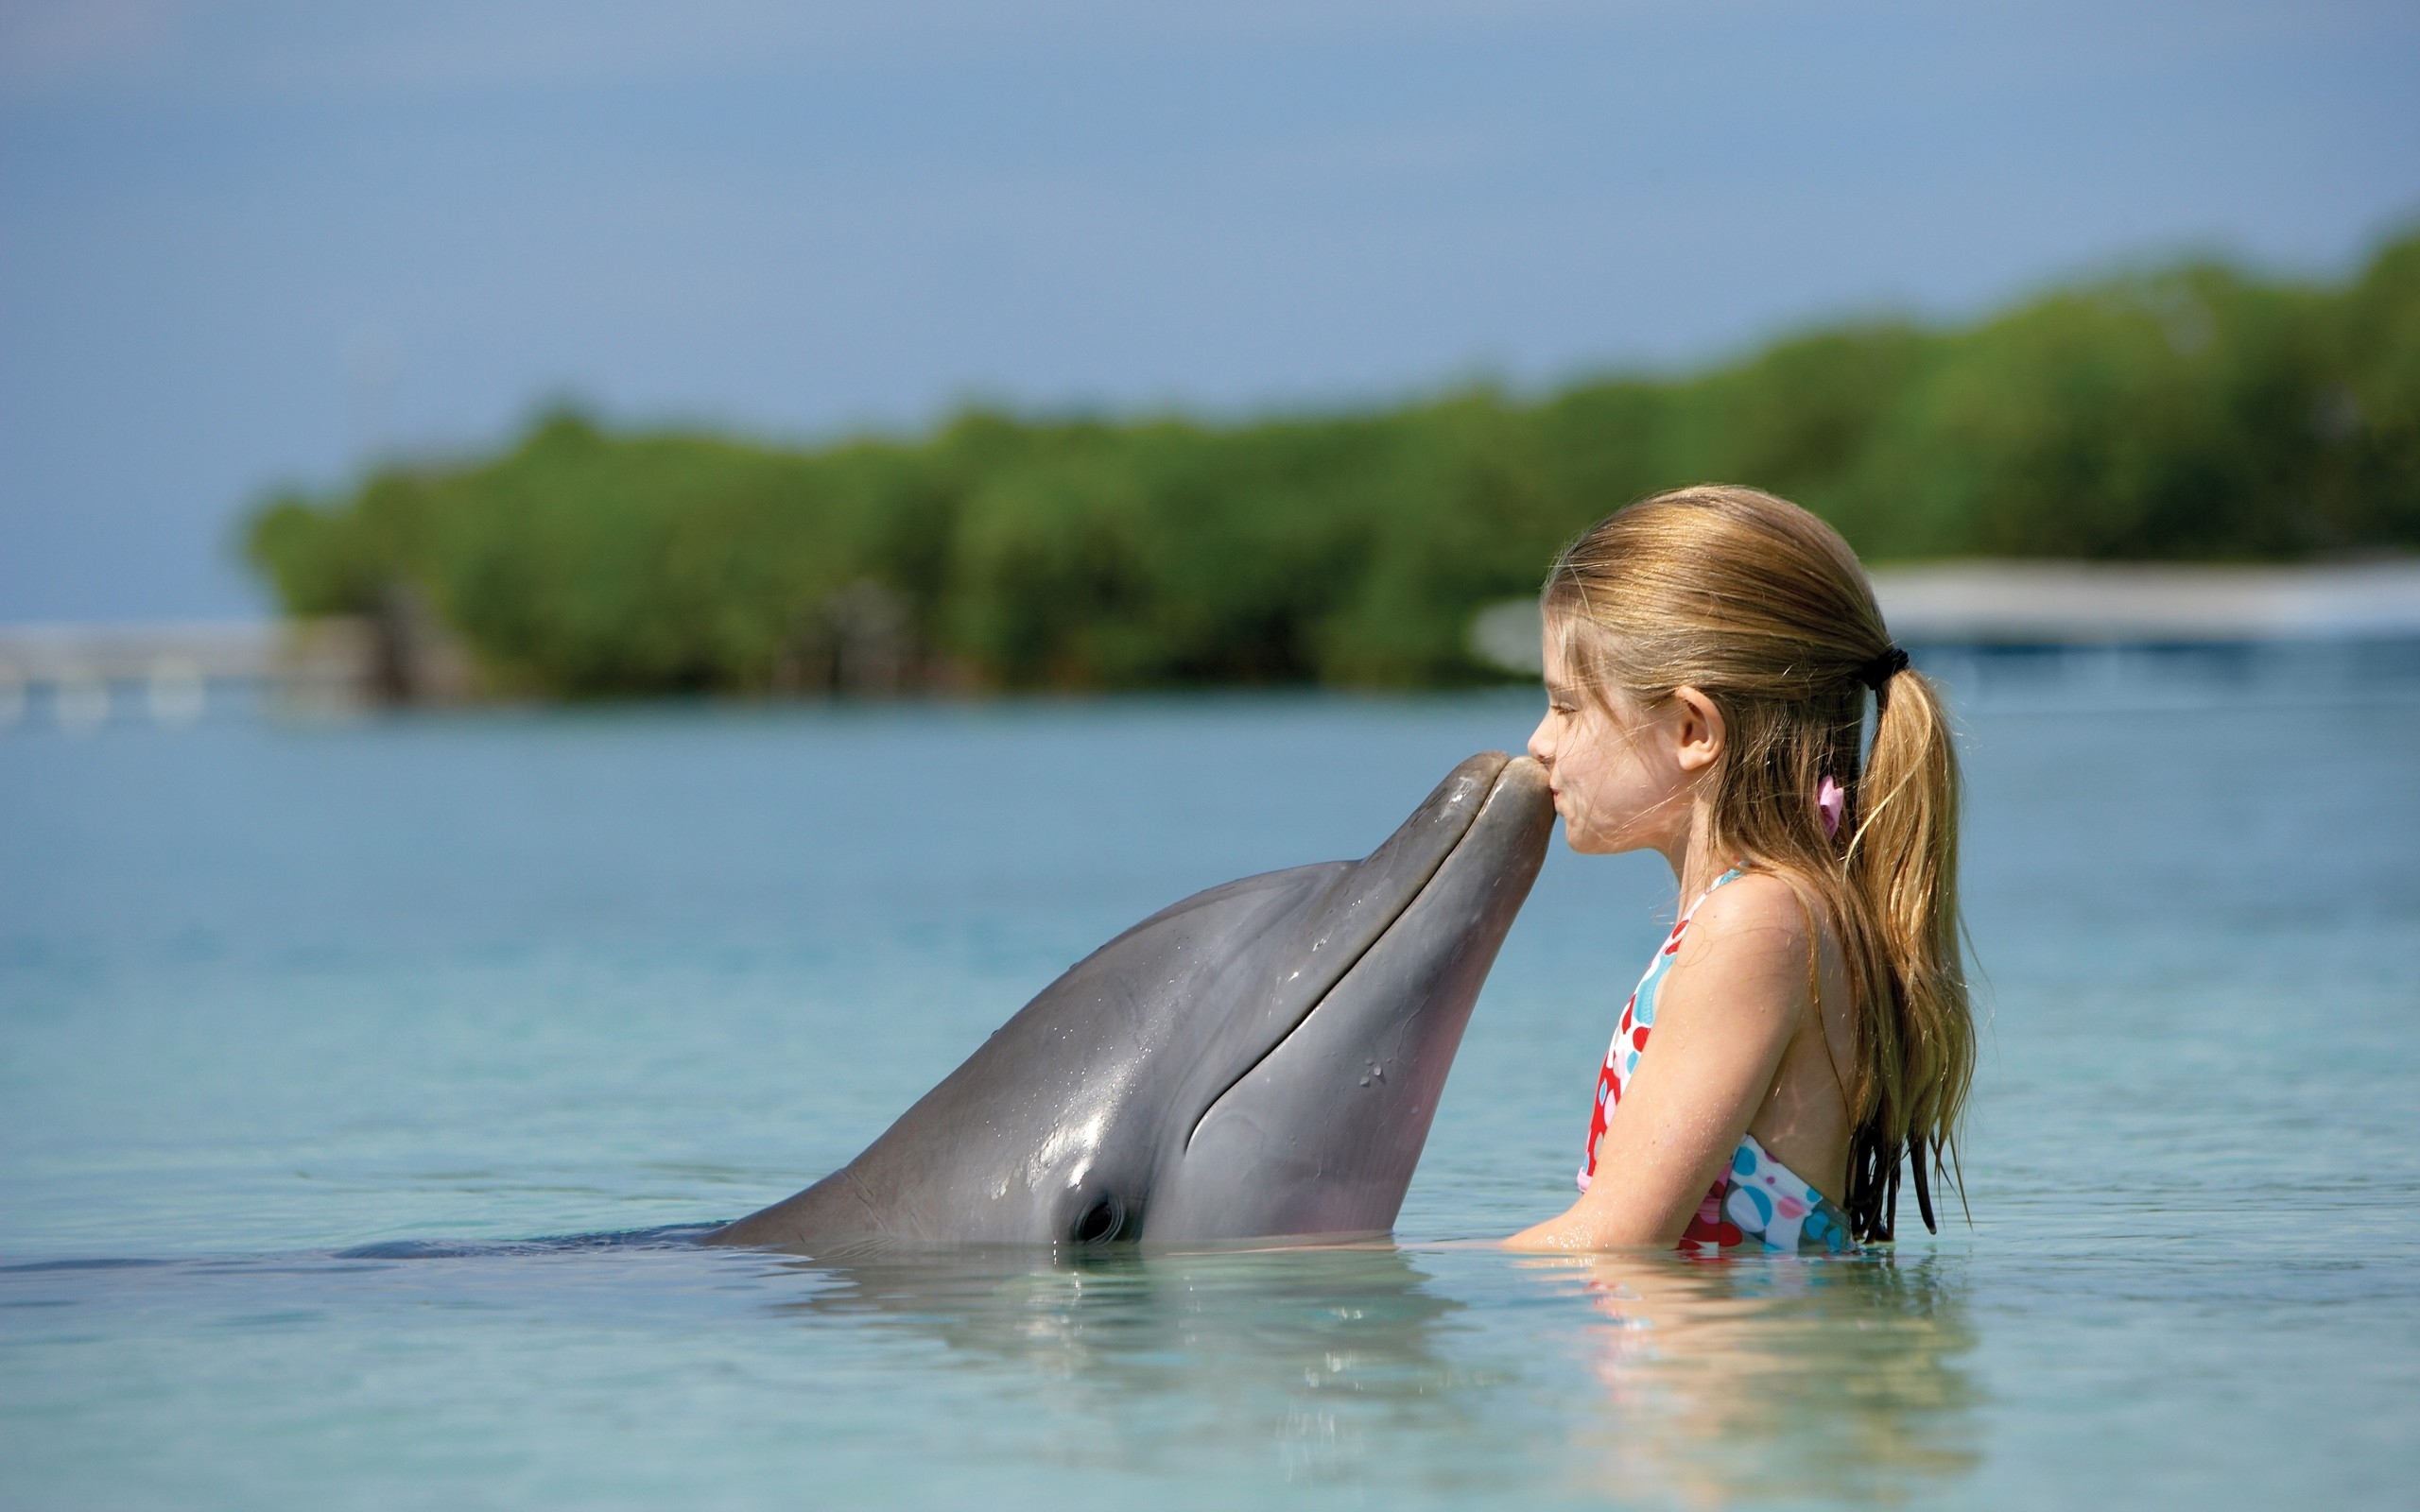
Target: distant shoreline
{"type": "Point", "coordinates": [2192, 414]}
{"type": "Point", "coordinates": [2107, 603]}
{"type": "Point", "coordinates": [1980, 604]}
{"type": "Point", "coordinates": [2077, 603]}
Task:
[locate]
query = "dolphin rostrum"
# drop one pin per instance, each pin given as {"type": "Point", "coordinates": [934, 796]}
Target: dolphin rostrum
{"type": "Point", "coordinates": [1260, 1059]}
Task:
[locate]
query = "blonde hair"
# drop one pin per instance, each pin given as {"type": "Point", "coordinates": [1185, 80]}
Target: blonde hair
{"type": "Point", "coordinates": [1763, 608]}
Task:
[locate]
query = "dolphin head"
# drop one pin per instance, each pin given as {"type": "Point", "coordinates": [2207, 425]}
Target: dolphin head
{"type": "Point", "coordinates": [1263, 1059]}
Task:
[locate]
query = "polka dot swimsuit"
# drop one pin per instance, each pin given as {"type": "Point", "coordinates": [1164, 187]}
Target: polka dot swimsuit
{"type": "Point", "coordinates": [1759, 1202]}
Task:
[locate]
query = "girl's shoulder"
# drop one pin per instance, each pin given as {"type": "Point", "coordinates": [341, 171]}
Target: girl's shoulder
{"type": "Point", "coordinates": [1755, 916]}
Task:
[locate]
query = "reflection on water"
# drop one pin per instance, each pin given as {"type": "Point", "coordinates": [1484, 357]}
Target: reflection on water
{"type": "Point", "coordinates": [1317, 1351]}
{"type": "Point", "coordinates": [1761, 1378]}
{"type": "Point", "coordinates": [1703, 1383]}
{"type": "Point", "coordinates": [1443, 1376]}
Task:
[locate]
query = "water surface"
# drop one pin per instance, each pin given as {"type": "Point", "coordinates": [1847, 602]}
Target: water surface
{"type": "Point", "coordinates": [316, 1041]}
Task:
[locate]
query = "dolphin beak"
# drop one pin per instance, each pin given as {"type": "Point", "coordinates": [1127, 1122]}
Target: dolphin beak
{"type": "Point", "coordinates": [1319, 1134]}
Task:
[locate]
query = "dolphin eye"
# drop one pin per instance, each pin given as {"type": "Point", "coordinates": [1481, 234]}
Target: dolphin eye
{"type": "Point", "coordinates": [1101, 1222]}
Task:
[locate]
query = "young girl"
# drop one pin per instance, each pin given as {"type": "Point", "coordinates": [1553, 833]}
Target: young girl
{"type": "Point", "coordinates": [1709, 654]}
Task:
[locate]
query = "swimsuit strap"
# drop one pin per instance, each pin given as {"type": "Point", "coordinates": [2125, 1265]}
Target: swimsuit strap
{"type": "Point", "coordinates": [1733, 875]}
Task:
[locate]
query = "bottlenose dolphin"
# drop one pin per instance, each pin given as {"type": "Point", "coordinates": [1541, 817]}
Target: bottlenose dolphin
{"type": "Point", "coordinates": [1260, 1059]}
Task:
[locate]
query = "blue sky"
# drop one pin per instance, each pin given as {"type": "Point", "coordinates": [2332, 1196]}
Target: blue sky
{"type": "Point", "coordinates": [250, 243]}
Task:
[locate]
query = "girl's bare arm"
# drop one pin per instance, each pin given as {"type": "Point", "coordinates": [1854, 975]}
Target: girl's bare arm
{"type": "Point", "coordinates": [1724, 1016]}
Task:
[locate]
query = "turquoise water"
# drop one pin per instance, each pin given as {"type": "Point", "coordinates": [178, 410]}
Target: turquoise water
{"type": "Point", "coordinates": [314, 1039]}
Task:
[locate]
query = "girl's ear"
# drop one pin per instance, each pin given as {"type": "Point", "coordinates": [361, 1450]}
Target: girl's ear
{"type": "Point", "coordinates": [1701, 733]}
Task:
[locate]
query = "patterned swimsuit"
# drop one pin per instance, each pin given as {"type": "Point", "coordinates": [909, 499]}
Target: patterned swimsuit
{"type": "Point", "coordinates": [1760, 1201]}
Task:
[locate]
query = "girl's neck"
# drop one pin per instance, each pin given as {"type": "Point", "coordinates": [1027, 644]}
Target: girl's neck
{"type": "Point", "coordinates": [1694, 864]}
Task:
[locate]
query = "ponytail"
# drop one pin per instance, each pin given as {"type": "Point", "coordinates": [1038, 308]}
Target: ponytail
{"type": "Point", "coordinates": [1919, 1056]}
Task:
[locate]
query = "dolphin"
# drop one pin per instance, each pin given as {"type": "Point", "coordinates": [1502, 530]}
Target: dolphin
{"type": "Point", "coordinates": [1262, 1059]}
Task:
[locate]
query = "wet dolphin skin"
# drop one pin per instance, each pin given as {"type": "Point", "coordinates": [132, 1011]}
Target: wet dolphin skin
{"type": "Point", "coordinates": [1261, 1060]}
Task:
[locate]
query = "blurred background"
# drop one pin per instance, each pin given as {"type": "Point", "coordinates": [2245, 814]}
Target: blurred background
{"type": "Point", "coordinates": [608, 349]}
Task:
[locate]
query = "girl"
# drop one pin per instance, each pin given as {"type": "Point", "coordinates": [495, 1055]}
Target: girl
{"type": "Point", "coordinates": [1709, 657]}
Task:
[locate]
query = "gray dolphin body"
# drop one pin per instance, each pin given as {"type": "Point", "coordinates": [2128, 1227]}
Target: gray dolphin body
{"type": "Point", "coordinates": [1261, 1060]}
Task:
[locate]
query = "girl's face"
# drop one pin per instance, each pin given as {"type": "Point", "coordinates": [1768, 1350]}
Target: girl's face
{"type": "Point", "coordinates": [1622, 776]}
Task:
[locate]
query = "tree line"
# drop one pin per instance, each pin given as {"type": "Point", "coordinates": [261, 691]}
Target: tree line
{"type": "Point", "coordinates": [2192, 413]}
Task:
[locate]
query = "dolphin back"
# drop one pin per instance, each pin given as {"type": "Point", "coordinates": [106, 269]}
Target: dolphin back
{"type": "Point", "coordinates": [1057, 1106]}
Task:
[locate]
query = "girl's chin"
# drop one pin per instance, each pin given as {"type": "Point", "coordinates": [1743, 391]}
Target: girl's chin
{"type": "Point", "coordinates": [1590, 842]}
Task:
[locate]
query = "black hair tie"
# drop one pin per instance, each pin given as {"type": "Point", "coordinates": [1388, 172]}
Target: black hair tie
{"type": "Point", "coordinates": [1877, 672]}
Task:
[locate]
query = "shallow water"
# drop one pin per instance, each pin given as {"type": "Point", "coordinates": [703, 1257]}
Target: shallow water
{"type": "Point", "coordinates": [311, 1036]}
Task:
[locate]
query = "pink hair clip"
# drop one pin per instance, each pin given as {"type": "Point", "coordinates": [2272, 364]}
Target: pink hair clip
{"type": "Point", "coordinates": [1832, 804]}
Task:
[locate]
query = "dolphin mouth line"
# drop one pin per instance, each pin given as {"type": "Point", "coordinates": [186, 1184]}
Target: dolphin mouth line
{"type": "Point", "coordinates": [1413, 896]}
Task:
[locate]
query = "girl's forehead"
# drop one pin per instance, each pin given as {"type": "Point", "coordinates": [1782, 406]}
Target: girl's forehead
{"type": "Point", "coordinates": [1562, 680]}
{"type": "Point", "coordinates": [1557, 638]}
{"type": "Point", "coordinates": [1556, 668]}
{"type": "Point", "coordinates": [1561, 668]}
